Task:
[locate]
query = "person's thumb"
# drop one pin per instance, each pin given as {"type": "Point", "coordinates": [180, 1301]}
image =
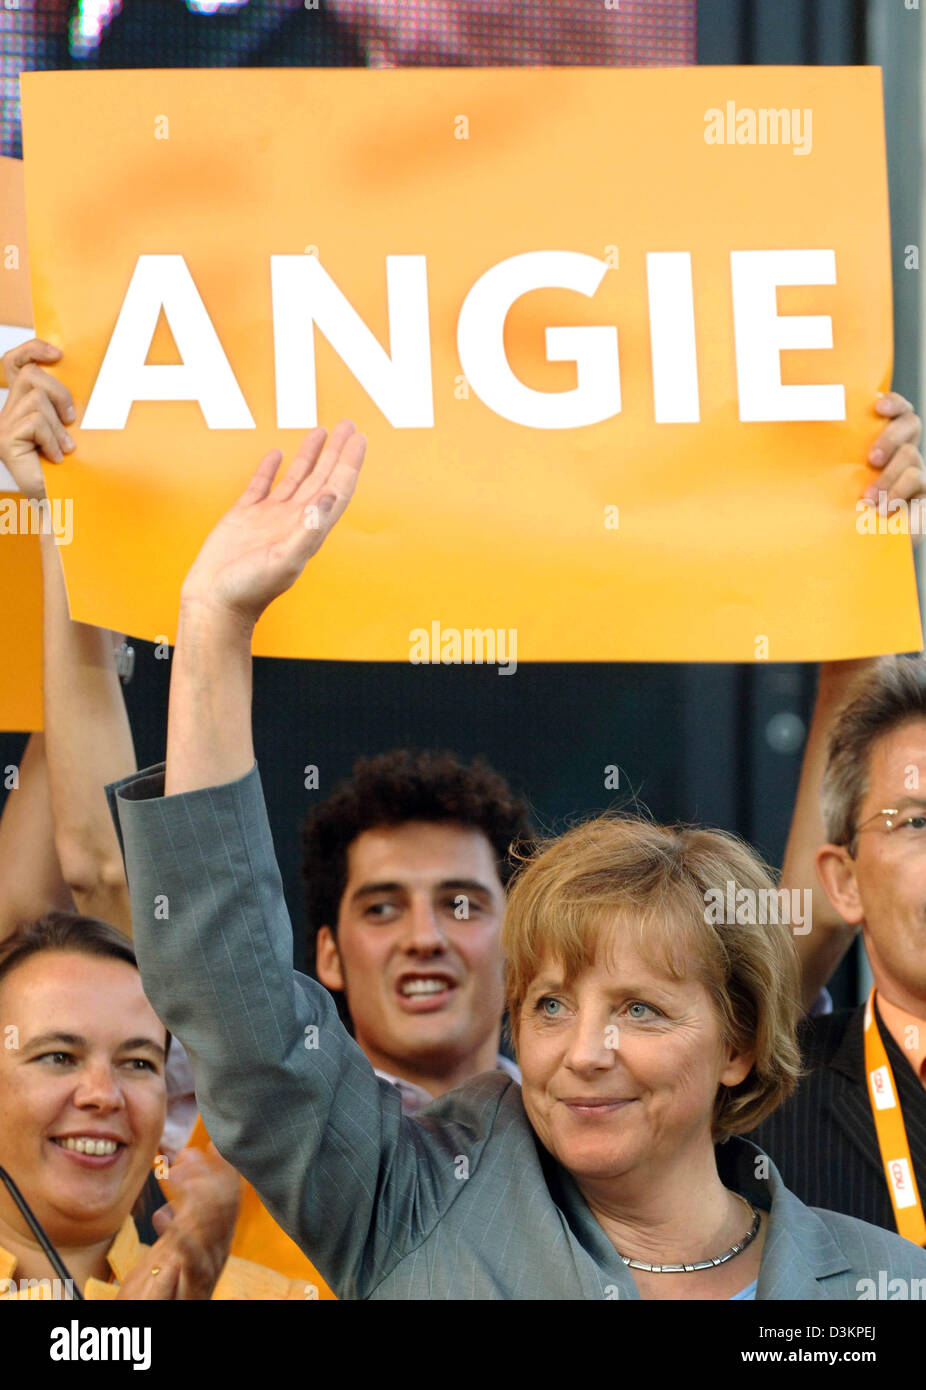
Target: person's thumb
{"type": "Point", "coordinates": [162, 1218]}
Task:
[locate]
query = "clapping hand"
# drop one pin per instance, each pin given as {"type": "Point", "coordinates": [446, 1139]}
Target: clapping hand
{"type": "Point", "coordinates": [195, 1231]}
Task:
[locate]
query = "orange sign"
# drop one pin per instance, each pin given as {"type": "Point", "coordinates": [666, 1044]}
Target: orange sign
{"type": "Point", "coordinates": [614, 337]}
{"type": "Point", "coordinates": [20, 562]}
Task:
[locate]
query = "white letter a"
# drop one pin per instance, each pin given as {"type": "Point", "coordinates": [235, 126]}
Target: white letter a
{"type": "Point", "coordinates": [164, 282]}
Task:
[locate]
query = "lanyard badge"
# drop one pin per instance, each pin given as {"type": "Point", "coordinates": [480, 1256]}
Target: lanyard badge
{"type": "Point", "coordinates": [892, 1133]}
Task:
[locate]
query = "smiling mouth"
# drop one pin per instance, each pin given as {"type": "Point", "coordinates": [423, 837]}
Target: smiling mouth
{"type": "Point", "coordinates": [415, 989]}
{"type": "Point", "coordinates": [597, 1107]}
{"type": "Point", "coordinates": [92, 1148]}
{"type": "Point", "coordinates": [424, 993]}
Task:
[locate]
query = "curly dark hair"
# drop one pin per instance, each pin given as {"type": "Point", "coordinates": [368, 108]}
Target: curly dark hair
{"type": "Point", "coordinates": [392, 789]}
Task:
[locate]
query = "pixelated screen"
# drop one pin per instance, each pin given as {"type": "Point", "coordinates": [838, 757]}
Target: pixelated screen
{"type": "Point", "coordinates": [36, 34]}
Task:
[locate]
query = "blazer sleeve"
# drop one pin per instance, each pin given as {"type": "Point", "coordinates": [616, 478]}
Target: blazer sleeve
{"type": "Point", "coordinates": [287, 1096]}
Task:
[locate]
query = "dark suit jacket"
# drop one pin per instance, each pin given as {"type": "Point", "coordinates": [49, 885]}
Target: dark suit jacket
{"type": "Point", "coordinates": [823, 1138]}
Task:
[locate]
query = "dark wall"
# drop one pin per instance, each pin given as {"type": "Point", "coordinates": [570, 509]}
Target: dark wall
{"type": "Point", "coordinates": [781, 31]}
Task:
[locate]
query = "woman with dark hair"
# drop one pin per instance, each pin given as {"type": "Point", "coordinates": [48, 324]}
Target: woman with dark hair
{"type": "Point", "coordinates": [82, 1104]}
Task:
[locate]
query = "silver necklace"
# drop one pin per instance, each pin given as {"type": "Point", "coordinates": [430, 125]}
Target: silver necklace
{"type": "Point", "coordinates": [730, 1254]}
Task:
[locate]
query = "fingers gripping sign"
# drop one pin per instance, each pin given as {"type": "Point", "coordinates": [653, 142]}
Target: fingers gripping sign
{"type": "Point", "coordinates": [35, 415]}
{"type": "Point", "coordinates": [897, 456]}
{"type": "Point", "coordinates": [261, 546]}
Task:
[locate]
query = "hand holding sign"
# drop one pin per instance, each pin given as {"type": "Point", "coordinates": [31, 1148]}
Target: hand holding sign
{"type": "Point", "coordinates": [261, 546]}
{"type": "Point", "coordinates": [34, 415]}
{"type": "Point", "coordinates": [896, 454]}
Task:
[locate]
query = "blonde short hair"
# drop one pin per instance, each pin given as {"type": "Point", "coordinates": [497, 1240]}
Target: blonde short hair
{"type": "Point", "coordinates": [655, 881]}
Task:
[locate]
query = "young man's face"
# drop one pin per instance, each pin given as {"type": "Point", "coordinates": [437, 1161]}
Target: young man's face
{"type": "Point", "coordinates": [418, 949]}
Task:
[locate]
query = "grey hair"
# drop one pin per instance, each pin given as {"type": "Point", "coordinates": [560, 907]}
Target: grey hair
{"type": "Point", "coordinates": [890, 696]}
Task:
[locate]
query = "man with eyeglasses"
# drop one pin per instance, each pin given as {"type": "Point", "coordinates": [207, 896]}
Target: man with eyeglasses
{"type": "Point", "coordinates": [853, 1136]}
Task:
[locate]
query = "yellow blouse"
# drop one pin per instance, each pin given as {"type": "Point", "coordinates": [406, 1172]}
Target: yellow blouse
{"type": "Point", "coordinates": [257, 1237]}
{"type": "Point", "coordinates": [240, 1279]}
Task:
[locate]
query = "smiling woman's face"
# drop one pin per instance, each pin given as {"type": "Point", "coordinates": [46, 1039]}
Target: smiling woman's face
{"type": "Point", "coordinates": [88, 1065]}
{"type": "Point", "coordinates": [621, 1067]}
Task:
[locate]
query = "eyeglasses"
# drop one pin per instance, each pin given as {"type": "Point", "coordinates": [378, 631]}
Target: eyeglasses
{"type": "Point", "coordinates": [909, 825]}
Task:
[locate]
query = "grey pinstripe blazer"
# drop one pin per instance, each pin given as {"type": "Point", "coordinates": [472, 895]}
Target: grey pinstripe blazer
{"type": "Point", "coordinates": [458, 1202]}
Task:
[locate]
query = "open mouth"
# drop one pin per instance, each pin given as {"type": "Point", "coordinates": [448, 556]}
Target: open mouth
{"type": "Point", "coordinates": [423, 993]}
